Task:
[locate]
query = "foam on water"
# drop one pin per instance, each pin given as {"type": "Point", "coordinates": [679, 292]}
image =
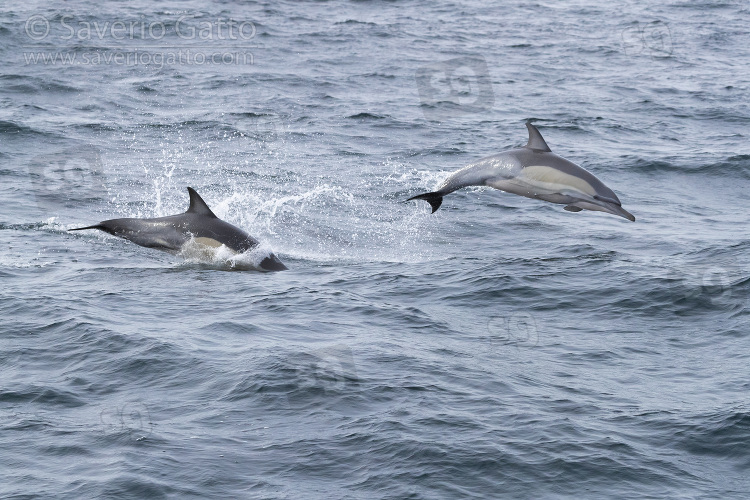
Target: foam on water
{"type": "Point", "coordinates": [222, 256]}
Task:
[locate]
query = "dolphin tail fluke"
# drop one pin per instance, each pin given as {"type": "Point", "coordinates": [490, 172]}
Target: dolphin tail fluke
{"type": "Point", "coordinates": [435, 199]}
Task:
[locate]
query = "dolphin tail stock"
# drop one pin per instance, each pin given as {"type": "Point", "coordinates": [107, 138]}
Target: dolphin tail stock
{"type": "Point", "coordinates": [95, 226]}
{"type": "Point", "coordinates": [102, 226]}
{"type": "Point", "coordinates": [435, 199]}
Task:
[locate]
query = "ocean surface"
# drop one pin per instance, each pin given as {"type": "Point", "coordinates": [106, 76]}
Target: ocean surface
{"type": "Point", "coordinates": [499, 348]}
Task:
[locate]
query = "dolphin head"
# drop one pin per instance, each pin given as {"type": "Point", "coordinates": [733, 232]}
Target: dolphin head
{"type": "Point", "coordinates": [272, 263]}
{"type": "Point", "coordinates": [596, 195]}
{"type": "Point", "coordinates": [601, 205]}
{"type": "Point", "coordinates": [577, 187]}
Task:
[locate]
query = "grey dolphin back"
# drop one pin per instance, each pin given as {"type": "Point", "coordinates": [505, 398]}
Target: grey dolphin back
{"type": "Point", "coordinates": [533, 171]}
{"type": "Point", "coordinates": [536, 144]}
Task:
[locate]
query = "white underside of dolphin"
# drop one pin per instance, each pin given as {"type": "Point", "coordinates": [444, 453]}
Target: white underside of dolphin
{"type": "Point", "coordinates": [533, 171]}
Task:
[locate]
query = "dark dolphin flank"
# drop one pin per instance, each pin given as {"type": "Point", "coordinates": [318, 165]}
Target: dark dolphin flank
{"type": "Point", "coordinates": [174, 233]}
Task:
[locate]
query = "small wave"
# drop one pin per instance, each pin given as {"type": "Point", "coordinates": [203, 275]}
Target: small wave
{"type": "Point", "coordinates": [719, 434]}
{"type": "Point", "coordinates": [355, 21]}
{"type": "Point", "coordinates": [47, 396]}
{"type": "Point", "coordinates": [7, 127]}
{"type": "Point", "coordinates": [250, 114]}
{"type": "Point", "coordinates": [734, 166]}
{"type": "Point", "coordinates": [366, 116]}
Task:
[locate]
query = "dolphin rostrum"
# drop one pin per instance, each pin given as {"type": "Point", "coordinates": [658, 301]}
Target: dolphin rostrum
{"type": "Point", "coordinates": [533, 171]}
{"type": "Point", "coordinates": [198, 224]}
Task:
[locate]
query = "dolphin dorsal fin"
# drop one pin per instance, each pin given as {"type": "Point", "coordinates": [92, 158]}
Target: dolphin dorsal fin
{"type": "Point", "coordinates": [197, 205]}
{"type": "Point", "coordinates": [536, 141]}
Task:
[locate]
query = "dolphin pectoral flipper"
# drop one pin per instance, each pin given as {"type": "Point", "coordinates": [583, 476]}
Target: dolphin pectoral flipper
{"type": "Point", "coordinates": [435, 199]}
{"type": "Point", "coordinates": [572, 208]}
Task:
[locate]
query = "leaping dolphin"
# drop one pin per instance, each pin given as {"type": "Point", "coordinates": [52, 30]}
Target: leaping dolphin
{"type": "Point", "coordinates": [171, 233]}
{"type": "Point", "coordinates": [533, 171]}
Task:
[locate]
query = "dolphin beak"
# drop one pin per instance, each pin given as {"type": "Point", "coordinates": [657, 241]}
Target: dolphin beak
{"type": "Point", "coordinates": [272, 263]}
{"type": "Point", "coordinates": [601, 205]}
{"type": "Point", "coordinates": [613, 206]}
{"type": "Point", "coordinates": [618, 210]}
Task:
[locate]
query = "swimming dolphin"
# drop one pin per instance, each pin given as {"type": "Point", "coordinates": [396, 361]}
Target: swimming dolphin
{"type": "Point", "coordinates": [533, 171]}
{"type": "Point", "coordinates": [172, 232]}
